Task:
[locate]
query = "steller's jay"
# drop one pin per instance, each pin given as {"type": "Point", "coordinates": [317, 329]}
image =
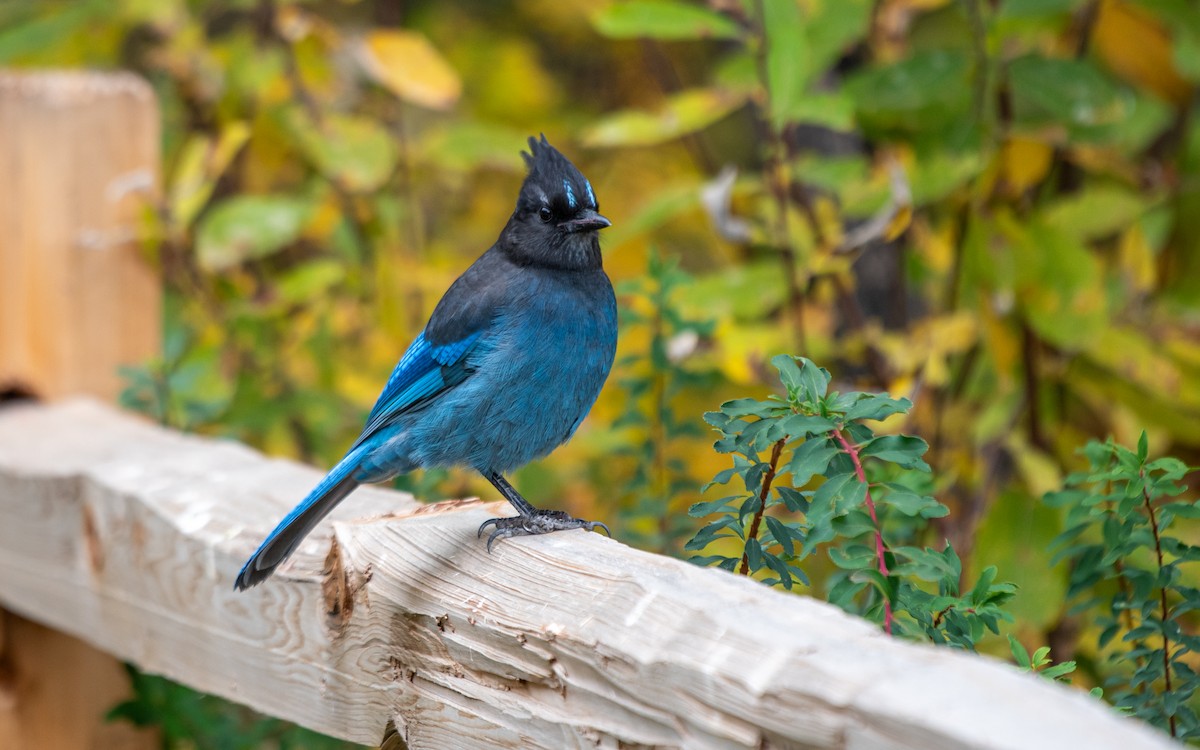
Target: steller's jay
{"type": "Point", "coordinates": [509, 364]}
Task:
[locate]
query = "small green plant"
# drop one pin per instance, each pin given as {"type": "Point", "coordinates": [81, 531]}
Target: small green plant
{"type": "Point", "coordinates": [1126, 578]}
{"type": "Point", "coordinates": [815, 476]}
{"type": "Point", "coordinates": [1040, 662]}
{"type": "Point", "coordinates": [651, 514]}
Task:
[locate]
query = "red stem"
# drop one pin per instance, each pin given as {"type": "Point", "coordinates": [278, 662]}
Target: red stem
{"type": "Point", "coordinates": [881, 561]}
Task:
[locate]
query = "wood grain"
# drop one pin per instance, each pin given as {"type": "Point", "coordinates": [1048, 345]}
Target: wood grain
{"type": "Point", "coordinates": [79, 159]}
{"type": "Point", "coordinates": [130, 536]}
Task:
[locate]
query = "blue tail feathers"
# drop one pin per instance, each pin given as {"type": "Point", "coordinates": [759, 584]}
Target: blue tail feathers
{"type": "Point", "coordinates": [281, 542]}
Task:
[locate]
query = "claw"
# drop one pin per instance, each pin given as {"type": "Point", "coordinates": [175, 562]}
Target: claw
{"type": "Point", "coordinates": [539, 522]}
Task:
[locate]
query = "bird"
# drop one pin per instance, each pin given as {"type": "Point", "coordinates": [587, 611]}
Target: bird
{"type": "Point", "coordinates": [509, 364]}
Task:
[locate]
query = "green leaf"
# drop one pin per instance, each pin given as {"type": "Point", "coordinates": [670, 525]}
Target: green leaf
{"type": "Point", "coordinates": [781, 534]}
{"type": "Point", "coordinates": [810, 459]}
{"type": "Point", "coordinates": [832, 109]}
{"type": "Point", "coordinates": [465, 146]}
{"type": "Point", "coordinates": [802, 41]}
{"type": "Point", "coordinates": [854, 523]}
{"type": "Point", "coordinates": [798, 425]}
{"type": "Point", "coordinates": [658, 19]}
{"type": "Point", "coordinates": [789, 371]}
{"type": "Point", "coordinates": [787, 66]}
{"type": "Point", "coordinates": [781, 569]}
{"type": "Point", "coordinates": [1020, 655]}
{"type": "Point", "coordinates": [754, 554]}
{"type": "Point", "coordinates": [983, 586]}
{"type": "Point", "coordinates": [1097, 212]}
{"type": "Point", "coordinates": [827, 495]}
{"type": "Point", "coordinates": [1064, 92]}
{"type": "Point", "coordinates": [858, 558]}
{"type": "Point", "coordinates": [924, 93]}
{"type": "Point", "coordinates": [354, 152]}
{"type": "Point", "coordinates": [832, 27]}
{"type": "Point", "coordinates": [903, 450]}
{"type": "Point", "coordinates": [709, 560]}
{"type": "Point", "coordinates": [699, 510]}
{"type": "Point", "coordinates": [743, 407]}
{"type": "Point", "coordinates": [310, 280]}
{"type": "Point", "coordinates": [710, 532]}
{"type": "Point", "coordinates": [1036, 9]}
{"type": "Point", "coordinates": [683, 113]}
{"type": "Point", "coordinates": [877, 406]}
{"type": "Point", "coordinates": [886, 585]}
{"type": "Point", "coordinates": [814, 381]}
{"type": "Point", "coordinates": [248, 227]}
{"type": "Point", "coordinates": [913, 504]}
{"type": "Point", "coordinates": [48, 31]}
{"type": "Point", "coordinates": [1058, 670]}
{"type": "Point", "coordinates": [1057, 282]}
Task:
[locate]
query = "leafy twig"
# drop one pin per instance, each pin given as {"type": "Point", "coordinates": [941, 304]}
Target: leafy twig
{"type": "Point", "coordinates": [880, 557]}
{"type": "Point", "coordinates": [763, 494]}
{"type": "Point", "coordinates": [1162, 592]}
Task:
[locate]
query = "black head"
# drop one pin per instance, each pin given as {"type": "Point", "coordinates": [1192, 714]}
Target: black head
{"type": "Point", "coordinates": [557, 218]}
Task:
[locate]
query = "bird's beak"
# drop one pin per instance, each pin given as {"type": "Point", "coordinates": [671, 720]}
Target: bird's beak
{"type": "Point", "coordinates": [588, 221]}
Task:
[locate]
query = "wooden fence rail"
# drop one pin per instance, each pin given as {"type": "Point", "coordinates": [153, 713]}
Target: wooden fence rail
{"type": "Point", "coordinates": [129, 536]}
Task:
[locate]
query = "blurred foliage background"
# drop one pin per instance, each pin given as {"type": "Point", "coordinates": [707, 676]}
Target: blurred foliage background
{"type": "Point", "coordinates": [991, 207]}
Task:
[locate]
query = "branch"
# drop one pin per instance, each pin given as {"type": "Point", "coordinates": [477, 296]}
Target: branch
{"type": "Point", "coordinates": [880, 558]}
{"type": "Point", "coordinates": [763, 494]}
{"type": "Point", "coordinates": [1162, 593]}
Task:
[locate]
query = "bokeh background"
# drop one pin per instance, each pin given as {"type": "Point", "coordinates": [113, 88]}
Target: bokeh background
{"type": "Point", "coordinates": [991, 207]}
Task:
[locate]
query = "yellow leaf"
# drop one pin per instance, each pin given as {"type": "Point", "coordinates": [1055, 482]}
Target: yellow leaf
{"type": "Point", "coordinates": [201, 162]}
{"type": "Point", "coordinates": [1024, 163]}
{"type": "Point", "coordinates": [1137, 48]}
{"type": "Point", "coordinates": [684, 112]}
{"type": "Point", "coordinates": [410, 67]}
{"type": "Point", "coordinates": [1040, 472]}
{"type": "Point", "coordinates": [1002, 343]}
{"type": "Point", "coordinates": [936, 244]}
{"type": "Point", "coordinates": [926, 347]}
{"type": "Point", "coordinates": [899, 222]}
{"type": "Point", "coordinates": [1137, 259]}
{"type": "Point", "coordinates": [743, 349]}
{"type": "Point", "coordinates": [1137, 358]}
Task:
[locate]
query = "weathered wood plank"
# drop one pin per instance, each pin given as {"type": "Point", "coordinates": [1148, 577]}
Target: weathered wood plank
{"type": "Point", "coordinates": [79, 158]}
{"type": "Point", "coordinates": [130, 536]}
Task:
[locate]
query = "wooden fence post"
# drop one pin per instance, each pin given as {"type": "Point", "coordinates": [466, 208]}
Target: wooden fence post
{"type": "Point", "coordinates": [78, 157]}
{"type": "Point", "coordinates": [79, 154]}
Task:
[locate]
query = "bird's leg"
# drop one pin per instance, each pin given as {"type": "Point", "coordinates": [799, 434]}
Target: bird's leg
{"type": "Point", "coordinates": [531, 520]}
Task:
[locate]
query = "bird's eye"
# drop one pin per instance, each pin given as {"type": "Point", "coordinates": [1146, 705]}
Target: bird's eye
{"type": "Point", "coordinates": [545, 214]}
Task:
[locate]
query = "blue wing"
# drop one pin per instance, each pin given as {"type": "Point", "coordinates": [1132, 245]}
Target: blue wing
{"type": "Point", "coordinates": [423, 371]}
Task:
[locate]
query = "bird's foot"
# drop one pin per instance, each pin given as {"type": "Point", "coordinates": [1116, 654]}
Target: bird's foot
{"type": "Point", "coordinates": [538, 522]}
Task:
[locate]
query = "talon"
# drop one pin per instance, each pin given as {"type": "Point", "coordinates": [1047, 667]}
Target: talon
{"type": "Point", "coordinates": [539, 522]}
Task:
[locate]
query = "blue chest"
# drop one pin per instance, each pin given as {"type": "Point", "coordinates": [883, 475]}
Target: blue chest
{"type": "Point", "coordinates": [534, 375]}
